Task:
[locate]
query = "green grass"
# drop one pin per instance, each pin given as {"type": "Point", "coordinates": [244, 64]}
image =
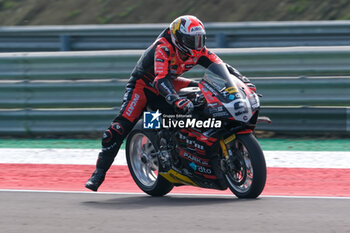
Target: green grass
{"type": "Point", "coordinates": [51, 143]}
{"type": "Point", "coordinates": [345, 17]}
{"type": "Point", "coordinates": [74, 13]}
{"type": "Point", "coordinates": [130, 9]}
{"type": "Point", "coordinates": [298, 7]}
{"type": "Point", "coordinates": [305, 144]}
{"type": "Point", "coordinates": [105, 19]}
{"type": "Point", "coordinates": [8, 4]}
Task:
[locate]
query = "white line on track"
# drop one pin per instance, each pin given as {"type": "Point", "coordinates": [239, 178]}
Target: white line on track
{"type": "Point", "coordinates": [171, 194]}
{"type": "Point", "coordinates": [302, 159]}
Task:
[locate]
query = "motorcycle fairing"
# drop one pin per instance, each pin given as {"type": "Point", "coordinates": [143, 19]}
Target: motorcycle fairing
{"type": "Point", "coordinates": [233, 99]}
{"type": "Point", "coordinates": [193, 158]}
{"type": "Point", "coordinates": [209, 141]}
{"type": "Point", "coordinates": [214, 106]}
{"type": "Point", "coordinates": [177, 178]}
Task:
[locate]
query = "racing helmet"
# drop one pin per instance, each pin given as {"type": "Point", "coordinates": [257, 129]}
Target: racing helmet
{"type": "Point", "coordinates": [188, 34]}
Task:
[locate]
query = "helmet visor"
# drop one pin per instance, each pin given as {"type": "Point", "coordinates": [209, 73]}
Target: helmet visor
{"type": "Point", "coordinates": [196, 42]}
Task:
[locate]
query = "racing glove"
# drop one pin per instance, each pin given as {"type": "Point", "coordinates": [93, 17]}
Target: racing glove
{"type": "Point", "coordinates": [182, 105]}
{"type": "Point", "coordinates": [244, 79]}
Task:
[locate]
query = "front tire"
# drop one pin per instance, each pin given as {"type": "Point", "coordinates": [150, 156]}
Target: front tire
{"type": "Point", "coordinates": [144, 167]}
{"type": "Point", "coordinates": [252, 157]}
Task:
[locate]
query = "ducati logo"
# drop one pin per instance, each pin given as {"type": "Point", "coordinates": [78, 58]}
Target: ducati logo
{"type": "Point", "coordinates": [133, 104]}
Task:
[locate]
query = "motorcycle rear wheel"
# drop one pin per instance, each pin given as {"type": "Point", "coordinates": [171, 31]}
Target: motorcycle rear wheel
{"type": "Point", "coordinates": [144, 167]}
{"type": "Point", "coordinates": [254, 165]}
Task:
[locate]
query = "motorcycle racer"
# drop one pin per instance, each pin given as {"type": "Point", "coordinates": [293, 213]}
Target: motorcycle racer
{"type": "Point", "coordinates": [177, 49]}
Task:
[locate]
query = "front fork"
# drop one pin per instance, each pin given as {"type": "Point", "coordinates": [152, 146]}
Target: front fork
{"type": "Point", "coordinates": [232, 162]}
{"type": "Point", "coordinates": [226, 164]}
{"type": "Point", "coordinates": [224, 143]}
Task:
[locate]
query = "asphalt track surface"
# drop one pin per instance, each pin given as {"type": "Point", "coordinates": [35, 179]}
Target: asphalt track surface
{"type": "Point", "coordinates": [76, 211]}
{"type": "Point", "coordinates": [35, 212]}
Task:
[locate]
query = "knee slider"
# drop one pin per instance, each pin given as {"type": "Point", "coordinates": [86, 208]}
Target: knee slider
{"type": "Point", "coordinates": [113, 134]}
{"type": "Point", "coordinates": [118, 128]}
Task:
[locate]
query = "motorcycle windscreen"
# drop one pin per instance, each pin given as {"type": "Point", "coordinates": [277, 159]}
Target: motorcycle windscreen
{"type": "Point", "coordinates": [236, 97]}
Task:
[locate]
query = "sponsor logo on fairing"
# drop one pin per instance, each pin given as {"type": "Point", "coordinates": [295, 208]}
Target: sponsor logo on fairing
{"type": "Point", "coordinates": [204, 170]}
{"type": "Point", "coordinates": [212, 90]}
{"type": "Point", "coordinates": [200, 169]}
{"type": "Point", "coordinates": [193, 166]}
{"type": "Point", "coordinates": [193, 158]}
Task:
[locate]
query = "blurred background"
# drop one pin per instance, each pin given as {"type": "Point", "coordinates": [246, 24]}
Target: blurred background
{"type": "Point", "coordinates": [64, 12]}
{"type": "Point", "coordinates": [64, 64]}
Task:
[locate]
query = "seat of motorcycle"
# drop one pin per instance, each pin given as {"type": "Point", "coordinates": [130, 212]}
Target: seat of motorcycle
{"type": "Point", "coordinates": [188, 90]}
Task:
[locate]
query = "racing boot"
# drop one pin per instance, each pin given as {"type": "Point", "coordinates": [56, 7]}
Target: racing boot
{"type": "Point", "coordinates": [104, 162]}
{"type": "Point", "coordinates": [96, 179]}
{"type": "Point", "coordinates": [111, 141]}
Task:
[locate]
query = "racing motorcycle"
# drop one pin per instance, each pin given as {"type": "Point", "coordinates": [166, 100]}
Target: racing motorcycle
{"type": "Point", "coordinates": [225, 154]}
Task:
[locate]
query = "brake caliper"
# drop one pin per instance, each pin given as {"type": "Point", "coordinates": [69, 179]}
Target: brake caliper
{"type": "Point", "coordinates": [233, 162]}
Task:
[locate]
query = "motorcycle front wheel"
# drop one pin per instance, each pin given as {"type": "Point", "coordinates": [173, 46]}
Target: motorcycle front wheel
{"type": "Point", "coordinates": [248, 181]}
{"type": "Point", "coordinates": [144, 165]}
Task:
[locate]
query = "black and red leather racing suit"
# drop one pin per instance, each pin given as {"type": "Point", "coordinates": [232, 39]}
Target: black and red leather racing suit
{"type": "Point", "coordinates": [156, 73]}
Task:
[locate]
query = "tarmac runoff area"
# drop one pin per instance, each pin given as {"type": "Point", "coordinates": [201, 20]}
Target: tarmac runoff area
{"type": "Point", "coordinates": [57, 212]}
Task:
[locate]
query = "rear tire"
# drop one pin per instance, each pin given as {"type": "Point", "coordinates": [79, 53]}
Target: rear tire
{"type": "Point", "coordinates": [255, 176]}
{"type": "Point", "coordinates": [143, 167]}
